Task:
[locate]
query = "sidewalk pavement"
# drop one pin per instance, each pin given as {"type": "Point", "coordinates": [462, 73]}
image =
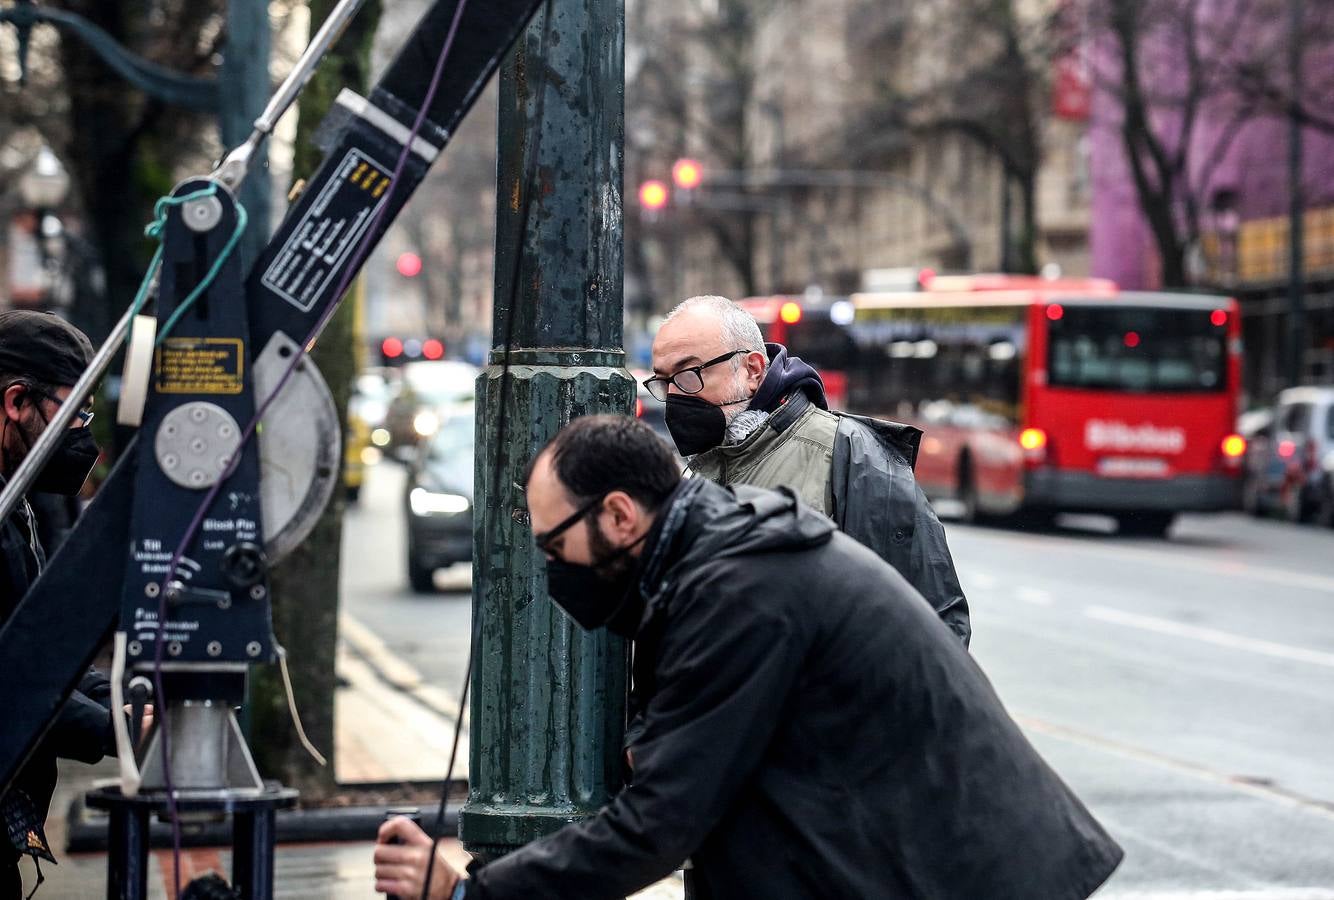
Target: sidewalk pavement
{"type": "Point", "coordinates": [378, 695]}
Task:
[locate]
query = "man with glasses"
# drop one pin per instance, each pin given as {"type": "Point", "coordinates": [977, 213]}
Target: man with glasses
{"type": "Point", "coordinates": [745, 412]}
{"type": "Point", "coordinates": [41, 358]}
{"type": "Point", "coordinates": [809, 729]}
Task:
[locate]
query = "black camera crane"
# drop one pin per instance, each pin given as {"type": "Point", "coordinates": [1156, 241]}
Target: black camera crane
{"type": "Point", "coordinates": [171, 557]}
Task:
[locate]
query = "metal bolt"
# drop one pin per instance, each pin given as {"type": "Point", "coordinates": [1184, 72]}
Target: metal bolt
{"type": "Point", "coordinates": [214, 648]}
{"type": "Point", "coordinates": [257, 592]}
{"type": "Point", "coordinates": [203, 214]}
{"type": "Point", "coordinates": [225, 430]}
{"type": "Point", "coordinates": [198, 445]}
{"type": "Point", "coordinates": [152, 589]}
{"type": "Point", "coordinates": [198, 414]}
{"type": "Point", "coordinates": [198, 477]}
{"type": "Point", "coordinates": [174, 648]}
{"type": "Point", "coordinates": [225, 602]}
{"type": "Point", "coordinates": [253, 648]}
{"type": "Point", "coordinates": [135, 648]}
{"type": "Point", "coordinates": [170, 461]}
{"type": "Point", "coordinates": [174, 590]}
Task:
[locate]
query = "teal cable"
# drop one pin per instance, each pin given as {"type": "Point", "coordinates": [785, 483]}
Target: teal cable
{"type": "Point", "coordinates": [154, 230]}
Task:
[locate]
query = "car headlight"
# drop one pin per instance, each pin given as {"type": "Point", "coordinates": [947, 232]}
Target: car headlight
{"type": "Point", "coordinates": [429, 503]}
{"type": "Point", "coordinates": [426, 423]}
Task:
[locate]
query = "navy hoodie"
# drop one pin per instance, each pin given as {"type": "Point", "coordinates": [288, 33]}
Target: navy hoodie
{"type": "Point", "coordinates": [785, 375]}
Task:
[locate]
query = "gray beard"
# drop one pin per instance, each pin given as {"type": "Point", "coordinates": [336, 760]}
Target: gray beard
{"type": "Point", "coordinates": [743, 425]}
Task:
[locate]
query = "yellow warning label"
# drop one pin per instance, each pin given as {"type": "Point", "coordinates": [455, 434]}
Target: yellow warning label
{"type": "Point", "coordinates": [199, 366]}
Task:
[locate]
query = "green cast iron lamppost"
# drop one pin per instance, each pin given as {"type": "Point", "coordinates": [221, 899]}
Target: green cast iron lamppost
{"type": "Point", "coordinates": [548, 707]}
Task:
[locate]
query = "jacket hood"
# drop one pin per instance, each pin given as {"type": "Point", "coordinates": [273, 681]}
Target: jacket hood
{"type": "Point", "coordinates": [703, 522]}
{"type": "Point", "coordinates": [785, 375]}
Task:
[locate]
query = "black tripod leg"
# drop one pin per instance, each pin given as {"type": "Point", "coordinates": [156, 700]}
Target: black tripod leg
{"type": "Point", "coordinates": [127, 853]}
{"type": "Point", "coordinates": [252, 853]}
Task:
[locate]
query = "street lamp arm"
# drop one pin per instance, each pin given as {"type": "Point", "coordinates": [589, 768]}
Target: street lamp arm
{"type": "Point", "coordinates": [157, 81]}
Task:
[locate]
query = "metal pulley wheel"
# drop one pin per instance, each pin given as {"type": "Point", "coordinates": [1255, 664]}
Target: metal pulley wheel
{"type": "Point", "coordinates": [300, 446]}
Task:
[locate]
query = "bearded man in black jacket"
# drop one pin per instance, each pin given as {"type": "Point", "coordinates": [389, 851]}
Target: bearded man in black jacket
{"type": "Point", "coordinates": [41, 357]}
{"type": "Point", "coordinates": [810, 726]}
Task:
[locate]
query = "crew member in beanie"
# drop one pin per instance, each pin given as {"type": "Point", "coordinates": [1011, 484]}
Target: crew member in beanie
{"type": "Point", "coordinates": [41, 358]}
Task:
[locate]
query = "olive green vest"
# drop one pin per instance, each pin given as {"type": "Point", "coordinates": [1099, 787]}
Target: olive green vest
{"type": "Point", "coordinates": [794, 448]}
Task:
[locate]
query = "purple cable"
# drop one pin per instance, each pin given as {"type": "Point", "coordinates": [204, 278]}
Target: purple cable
{"type": "Point", "coordinates": [358, 257]}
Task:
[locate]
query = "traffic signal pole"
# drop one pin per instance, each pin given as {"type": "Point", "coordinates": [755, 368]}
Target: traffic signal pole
{"type": "Point", "coordinates": [548, 703]}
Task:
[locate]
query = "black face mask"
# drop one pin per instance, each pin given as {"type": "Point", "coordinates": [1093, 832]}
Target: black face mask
{"type": "Point", "coordinates": [696, 424]}
{"type": "Point", "coordinates": [599, 595]}
{"type": "Point", "coordinates": [70, 463]}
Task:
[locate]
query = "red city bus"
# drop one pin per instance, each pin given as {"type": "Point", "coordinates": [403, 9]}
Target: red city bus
{"type": "Point", "coordinates": [813, 330]}
{"type": "Point", "coordinates": [1057, 398]}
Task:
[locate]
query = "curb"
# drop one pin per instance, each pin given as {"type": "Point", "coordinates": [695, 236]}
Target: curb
{"type": "Point", "coordinates": [398, 674]}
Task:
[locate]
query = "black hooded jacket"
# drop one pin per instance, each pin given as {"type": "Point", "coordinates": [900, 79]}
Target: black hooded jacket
{"type": "Point", "coordinates": [82, 729]}
{"type": "Point", "coordinates": [864, 471]}
{"type": "Point", "coordinates": [811, 729]}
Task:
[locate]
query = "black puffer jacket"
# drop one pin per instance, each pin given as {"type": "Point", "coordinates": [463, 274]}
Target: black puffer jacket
{"type": "Point", "coordinates": [811, 729]}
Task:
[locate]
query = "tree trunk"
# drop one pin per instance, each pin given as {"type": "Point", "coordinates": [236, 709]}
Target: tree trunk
{"type": "Point", "coordinates": [305, 586]}
{"type": "Point", "coordinates": [1025, 249]}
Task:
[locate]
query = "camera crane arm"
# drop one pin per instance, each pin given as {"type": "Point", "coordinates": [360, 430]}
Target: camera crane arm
{"type": "Point", "coordinates": [240, 350]}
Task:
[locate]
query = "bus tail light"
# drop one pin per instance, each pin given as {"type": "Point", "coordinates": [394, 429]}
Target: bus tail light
{"type": "Point", "coordinates": [1234, 448]}
{"type": "Point", "coordinates": [1034, 442]}
{"type": "Point", "coordinates": [790, 312]}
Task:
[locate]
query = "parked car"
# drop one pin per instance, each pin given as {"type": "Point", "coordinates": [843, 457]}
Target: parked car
{"type": "Point", "coordinates": [1324, 511]}
{"type": "Point", "coordinates": [1285, 461]}
{"type": "Point", "coordinates": [438, 500]}
{"type": "Point", "coordinates": [1261, 465]}
{"type": "Point", "coordinates": [366, 410]}
{"type": "Point", "coordinates": [425, 388]}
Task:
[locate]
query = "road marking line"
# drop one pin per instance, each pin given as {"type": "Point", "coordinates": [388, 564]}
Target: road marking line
{"type": "Point", "coordinates": [1270, 893]}
{"type": "Point", "coordinates": [1178, 560]}
{"type": "Point", "coordinates": [1280, 796]}
{"type": "Point", "coordinates": [1211, 636]}
{"type": "Point", "coordinates": [1275, 795]}
{"type": "Point", "coordinates": [982, 580]}
{"type": "Point", "coordinates": [1034, 595]}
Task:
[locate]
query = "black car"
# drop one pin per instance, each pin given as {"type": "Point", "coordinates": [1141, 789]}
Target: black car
{"type": "Point", "coordinates": [438, 502]}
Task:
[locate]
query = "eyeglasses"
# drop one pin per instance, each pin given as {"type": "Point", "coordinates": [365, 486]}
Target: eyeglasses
{"type": "Point", "coordinates": [545, 538]}
{"type": "Point", "coordinates": [85, 416]}
{"type": "Point", "coordinates": [687, 381]}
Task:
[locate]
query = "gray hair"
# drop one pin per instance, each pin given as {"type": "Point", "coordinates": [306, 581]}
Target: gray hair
{"type": "Point", "coordinates": [740, 331]}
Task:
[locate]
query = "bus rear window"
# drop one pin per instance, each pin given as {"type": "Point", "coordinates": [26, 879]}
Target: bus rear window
{"type": "Point", "coordinates": [1136, 349]}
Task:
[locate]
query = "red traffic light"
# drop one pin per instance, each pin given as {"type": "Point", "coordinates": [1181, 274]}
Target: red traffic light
{"type": "Point", "coordinates": [391, 347]}
{"type": "Point", "coordinates": [409, 265]}
{"type": "Point", "coordinates": [432, 349]}
{"type": "Point", "coordinates": [653, 195]}
{"type": "Point", "coordinates": [687, 173]}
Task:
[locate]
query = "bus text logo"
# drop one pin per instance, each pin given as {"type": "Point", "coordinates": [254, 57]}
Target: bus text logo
{"type": "Point", "coordinates": [1103, 435]}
